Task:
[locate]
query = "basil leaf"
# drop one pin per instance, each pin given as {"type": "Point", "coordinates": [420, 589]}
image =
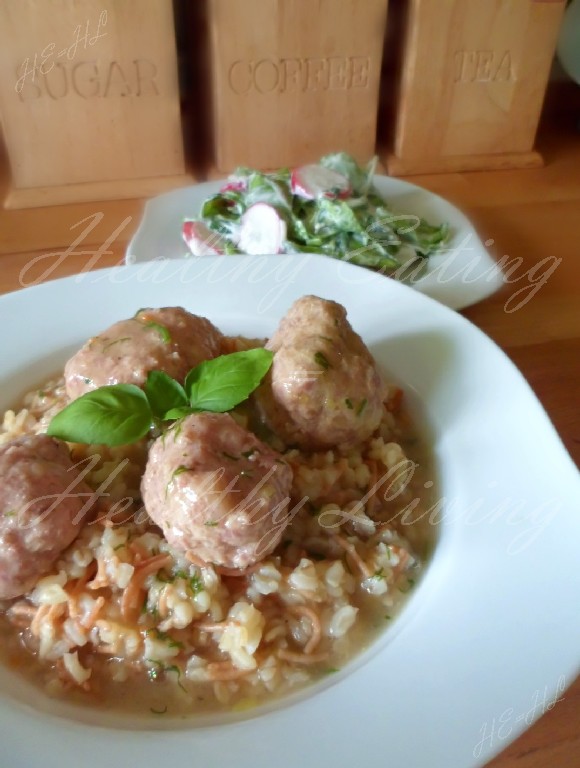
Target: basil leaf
{"type": "Point", "coordinates": [163, 393]}
{"type": "Point", "coordinates": [113, 415]}
{"type": "Point", "coordinates": [177, 413]}
{"type": "Point", "coordinates": [218, 385]}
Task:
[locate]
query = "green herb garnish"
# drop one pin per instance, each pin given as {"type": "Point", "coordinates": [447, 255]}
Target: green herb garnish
{"type": "Point", "coordinates": [410, 585]}
{"type": "Point", "coordinates": [195, 582]}
{"type": "Point", "coordinates": [220, 384]}
{"type": "Point", "coordinates": [160, 668]}
{"type": "Point", "coordinates": [115, 341]}
{"type": "Point", "coordinates": [163, 636]}
{"type": "Point", "coordinates": [164, 393]}
{"type": "Point", "coordinates": [361, 229]}
{"type": "Point", "coordinates": [112, 415]}
{"type": "Point", "coordinates": [320, 358]}
{"type": "Point", "coordinates": [175, 668]}
{"type": "Point", "coordinates": [362, 406]}
{"type": "Point", "coordinates": [348, 403]}
{"type": "Point", "coordinates": [161, 330]}
{"type": "Point", "coordinates": [123, 413]}
{"type": "Point", "coordinates": [176, 472]}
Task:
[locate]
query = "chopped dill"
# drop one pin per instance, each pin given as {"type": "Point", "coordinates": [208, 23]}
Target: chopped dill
{"type": "Point", "coordinates": [362, 406]}
{"type": "Point", "coordinates": [171, 642]}
{"type": "Point", "coordinates": [409, 586]}
{"type": "Point", "coordinates": [195, 582]}
{"type": "Point", "coordinates": [320, 358]}
{"type": "Point", "coordinates": [112, 344]}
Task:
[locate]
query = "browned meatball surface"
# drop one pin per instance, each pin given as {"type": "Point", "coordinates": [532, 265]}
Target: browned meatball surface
{"type": "Point", "coordinates": [169, 339]}
{"type": "Point", "coordinates": [217, 491]}
{"type": "Point", "coordinates": [43, 504]}
{"type": "Point", "coordinates": [324, 388]}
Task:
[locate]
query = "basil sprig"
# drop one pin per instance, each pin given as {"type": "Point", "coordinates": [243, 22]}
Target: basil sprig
{"type": "Point", "coordinates": [164, 393]}
{"type": "Point", "coordinates": [123, 413]}
{"type": "Point", "coordinates": [220, 384]}
{"type": "Point", "coordinates": [113, 415]}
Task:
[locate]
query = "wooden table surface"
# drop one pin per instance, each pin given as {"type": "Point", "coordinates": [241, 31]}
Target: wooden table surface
{"type": "Point", "coordinates": [533, 216]}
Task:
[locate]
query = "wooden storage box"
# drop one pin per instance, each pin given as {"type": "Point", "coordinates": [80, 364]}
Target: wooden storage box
{"type": "Point", "coordinates": [473, 82]}
{"type": "Point", "coordinates": [294, 80]}
{"type": "Point", "coordinates": [89, 100]}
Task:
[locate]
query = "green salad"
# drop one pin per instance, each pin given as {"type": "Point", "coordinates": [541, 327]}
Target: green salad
{"type": "Point", "coordinates": [330, 208]}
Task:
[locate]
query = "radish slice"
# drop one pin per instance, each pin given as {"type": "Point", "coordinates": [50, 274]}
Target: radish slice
{"type": "Point", "coordinates": [201, 240]}
{"type": "Point", "coordinates": [314, 181]}
{"type": "Point", "coordinates": [233, 186]}
{"type": "Point", "coordinates": [263, 231]}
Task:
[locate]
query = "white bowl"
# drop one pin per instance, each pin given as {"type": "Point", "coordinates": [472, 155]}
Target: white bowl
{"type": "Point", "coordinates": [490, 636]}
{"type": "Point", "coordinates": [569, 41]}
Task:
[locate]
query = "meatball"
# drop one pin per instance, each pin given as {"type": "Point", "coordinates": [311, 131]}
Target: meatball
{"type": "Point", "coordinates": [324, 387]}
{"type": "Point", "coordinates": [168, 339]}
{"type": "Point", "coordinates": [217, 491]}
{"type": "Point", "coordinates": [42, 504]}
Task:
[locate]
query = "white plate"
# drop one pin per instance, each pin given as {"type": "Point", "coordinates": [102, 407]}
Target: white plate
{"type": "Point", "coordinates": [490, 636]}
{"type": "Point", "coordinates": [461, 274]}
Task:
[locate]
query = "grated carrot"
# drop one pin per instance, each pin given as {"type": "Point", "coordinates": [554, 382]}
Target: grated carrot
{"type": "Point", "coordinates": [301, 658]}
{"type": "Point", "coordinates": [209, 626]}
{"type": "Point", "coordinates": [41, 612]}
{"type": "Point", "coordinates": [350, 549]}
{"type": "Point", "coordinates": [100, 580]}
{"type": "Point", "coordinates": [313, 618]}
{"type": "Point", "coordinates": [195, 560]}
{"type": "Point", "coordinates": [130, 601]}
